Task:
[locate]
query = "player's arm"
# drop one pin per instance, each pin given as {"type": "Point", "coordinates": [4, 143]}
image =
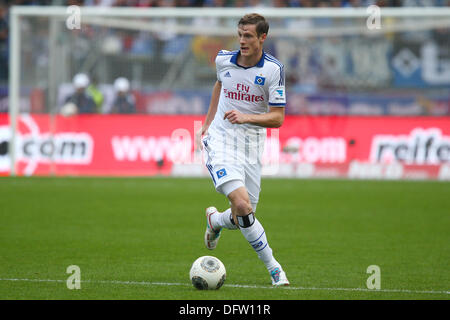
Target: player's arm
{"type": "Point", "coordinates": [277, 102]}
{"type": "Point", "coordinates": [272, 119]}
{"type": "Point", "coordinates": [213, 105]}
{"type": "Point", "coordinates": [211, 113]}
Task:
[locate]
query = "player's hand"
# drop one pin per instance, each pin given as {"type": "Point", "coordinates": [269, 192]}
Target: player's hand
{"type": "Point", "coordinates": [198, 138]}
{"type": "Point", "coordinates": [235, 117]}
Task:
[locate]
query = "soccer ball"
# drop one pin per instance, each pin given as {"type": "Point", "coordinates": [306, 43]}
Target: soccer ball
{"type": "Point", "coordinates": [207, 273]}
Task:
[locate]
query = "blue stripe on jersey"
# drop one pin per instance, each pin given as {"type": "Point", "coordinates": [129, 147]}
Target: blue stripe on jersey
{"type": "Point", "coordinates": [209, 167]}
{"type": "Point", "coordinates": [276, 104]}
{"type": "Point", "coordinates": [225, 53]}
{"type": "Point", "coordinates": [270, 58]}
{"type": "Point", "coordinates": [281, 82]}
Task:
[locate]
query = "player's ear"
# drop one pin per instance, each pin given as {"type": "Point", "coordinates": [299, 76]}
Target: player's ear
{"type": "Point", "coordinates": [263, 37]}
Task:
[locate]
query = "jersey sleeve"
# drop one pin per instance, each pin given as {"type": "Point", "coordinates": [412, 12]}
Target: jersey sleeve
{"type": "Point", "coordinates": [277, 90]}
{"type": "Point", "coordinates": [219, 63]}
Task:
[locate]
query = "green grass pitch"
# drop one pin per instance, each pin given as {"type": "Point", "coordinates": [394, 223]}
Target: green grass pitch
{"type": "Point", "coordinates": [136, 238]}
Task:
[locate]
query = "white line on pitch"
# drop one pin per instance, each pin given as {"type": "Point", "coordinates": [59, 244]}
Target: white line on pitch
{"type": "Point", "coordinates": [145, 283]}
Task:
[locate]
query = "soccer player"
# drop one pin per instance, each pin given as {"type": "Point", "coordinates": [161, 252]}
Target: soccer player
{"type": "Point", "coordinates": [248, 97]}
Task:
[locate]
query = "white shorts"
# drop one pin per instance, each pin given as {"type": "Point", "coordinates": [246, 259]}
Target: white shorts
{"type": "Point", "coordinates": [225, 166]}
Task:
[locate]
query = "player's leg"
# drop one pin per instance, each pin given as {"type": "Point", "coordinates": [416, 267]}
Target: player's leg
{"type": "Point", "coordinates": [212, 233]}
{"type": "Point", "coordinates": [243, 205]}
{"type": "Point", "coordinates": [250, 226]}
{"type": "Point", "coordinates": [226, 178]}
{"type": "Point", "coordinates": [225, 219]}
{"type": "Point", "coordinates": [227, 175]}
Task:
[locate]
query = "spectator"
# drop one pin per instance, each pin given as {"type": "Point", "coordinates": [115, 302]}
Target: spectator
{"type": "Point", "coordinates": [353, 3]}
{"type": "Point", "coordinates": [280, 3]}
{"type": "Point", "coordinates": [124, 102]}
{"type": "Point", "coordinates": [240, 3]}
{"type": "Point", "coordinates": [99, 3]}
{"type": "Point", "coordinates": [3, 42]}
{"type": "Point", "coordinates": [256, 4]}
{"type": "Point", "coordinates": [80, 102]}
{"type": "Point", "coordinates": [307, 3]}
{"type": "Point", "coordinates": [94, 92]}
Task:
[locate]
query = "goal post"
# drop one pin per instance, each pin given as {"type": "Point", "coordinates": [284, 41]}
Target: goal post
{"type": "Point", "coordinates": [46, 54]}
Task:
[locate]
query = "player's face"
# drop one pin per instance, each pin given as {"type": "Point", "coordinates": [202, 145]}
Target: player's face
{"type": "Point", "coordinates": [249, 42]}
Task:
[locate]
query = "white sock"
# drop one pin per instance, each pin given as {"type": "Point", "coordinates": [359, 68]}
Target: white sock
{"type": "Point", "coordinates": [256, 236]}
{"type": "Point", "coordinates": [223, 220]}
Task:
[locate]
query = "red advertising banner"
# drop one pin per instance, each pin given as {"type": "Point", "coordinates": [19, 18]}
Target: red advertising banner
{"type": "Point", "coordinates": [354, 147]}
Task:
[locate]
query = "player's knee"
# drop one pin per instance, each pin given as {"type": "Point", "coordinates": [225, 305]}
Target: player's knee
{"type": "Point", "coordinates": [243, 207]}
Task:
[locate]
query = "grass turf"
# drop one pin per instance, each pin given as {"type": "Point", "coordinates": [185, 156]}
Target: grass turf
{"type": "Point", "coordinates": [135, 238]}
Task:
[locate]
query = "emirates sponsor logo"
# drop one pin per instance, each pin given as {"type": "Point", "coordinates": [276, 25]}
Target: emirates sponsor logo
{"type": "Point", "coordinates": [242, 93]}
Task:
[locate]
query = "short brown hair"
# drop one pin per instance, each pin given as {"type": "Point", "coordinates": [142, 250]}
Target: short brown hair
{"type": "Point", "coordinates": [262, 26]}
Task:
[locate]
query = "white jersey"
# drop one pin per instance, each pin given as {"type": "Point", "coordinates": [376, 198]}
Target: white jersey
{"type": "Point", "coordinates": [234, 151]}
{"type": "Point", "coordinates": [249, 90]}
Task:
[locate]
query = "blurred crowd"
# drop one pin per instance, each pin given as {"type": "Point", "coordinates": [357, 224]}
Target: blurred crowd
{"type": "Point", "coordinates": [5, 4]}
{"type": "Point", "coordinates": [231, 3]}
{"type": "Point", "coordinates": [86, 98]}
